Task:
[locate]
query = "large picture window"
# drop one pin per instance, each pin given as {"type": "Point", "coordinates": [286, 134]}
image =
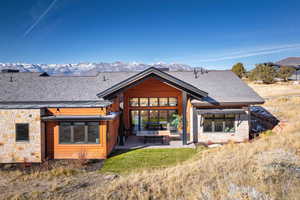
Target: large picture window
{"type": "Point", "coordinates": [153, 101]}
{"type": "Point", "coordinates": [79, 133]}
{"type": "Point", "coordinates": [219, 123]}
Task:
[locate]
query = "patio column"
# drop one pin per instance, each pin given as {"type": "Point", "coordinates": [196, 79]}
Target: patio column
{"type": "Point", "coordinates": [184, 127]}
{"type": "Point", "coordinates": [195, 125]}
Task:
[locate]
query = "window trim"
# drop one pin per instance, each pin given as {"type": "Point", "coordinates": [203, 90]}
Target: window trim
{"type": "Point", "coordinates": [223, 122]}
{"type": "Point", "coordinates": [16, 133]}
{"type": "Point", "coordinates": [86, 128]}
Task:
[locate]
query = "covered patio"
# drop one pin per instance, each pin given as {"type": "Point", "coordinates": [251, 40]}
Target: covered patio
{"type": "Point", "coordinates": [137, 142]}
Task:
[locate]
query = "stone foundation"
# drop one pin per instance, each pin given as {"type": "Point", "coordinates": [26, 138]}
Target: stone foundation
{"type": "Point", "coordinates": [12, 151]}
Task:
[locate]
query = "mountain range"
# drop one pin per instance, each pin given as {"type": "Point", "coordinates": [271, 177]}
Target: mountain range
{"type": "Point", "coordinates": [91, 68]}
{"type": "Point", "coordinates": [289, 61]}
{"type": "Point", "coordinates": [88, 68]}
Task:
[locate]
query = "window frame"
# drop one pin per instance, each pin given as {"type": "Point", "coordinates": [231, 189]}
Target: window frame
{"type": "Point", "coordinates": [86, 133]}
{"type": "Point", "coordinates": [224, 119]}
{"type": "Point", "coordinates": [16, 132]}
{"type": "Point", "coordinates": [149, 105]}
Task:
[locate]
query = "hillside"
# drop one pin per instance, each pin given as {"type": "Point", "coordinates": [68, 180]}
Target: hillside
{"type": "Point", "coordinates": [289, 61]}
{"type": "Point", "coordinates": [265, 168]}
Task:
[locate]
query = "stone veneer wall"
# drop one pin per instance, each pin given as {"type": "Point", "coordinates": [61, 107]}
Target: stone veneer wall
{"type": "Point", "coordinates": [241, 134]}
{"type": "Point", "coordinates": [12, 151]}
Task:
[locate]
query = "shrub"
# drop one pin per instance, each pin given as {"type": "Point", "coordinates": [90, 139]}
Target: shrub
{"type": "Point", "coordinates": [239, 69]}
{"type": "Point", "coordinates": [263, 72]}
{"type": "Point", "coordinates": [285, 72]}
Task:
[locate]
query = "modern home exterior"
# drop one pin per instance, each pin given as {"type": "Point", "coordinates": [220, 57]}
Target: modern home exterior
{"type": "Point", "coordinates": [63, 117]}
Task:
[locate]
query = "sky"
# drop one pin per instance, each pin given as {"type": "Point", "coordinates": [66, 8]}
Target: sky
{"type": "Point", "coordinates": [214, 34]}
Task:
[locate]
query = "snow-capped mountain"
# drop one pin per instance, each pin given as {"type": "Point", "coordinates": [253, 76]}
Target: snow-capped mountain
{"type": "Point", "coordinates": [88, 68]}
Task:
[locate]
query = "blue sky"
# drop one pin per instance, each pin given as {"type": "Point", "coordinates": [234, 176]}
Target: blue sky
{"type": "Point", "coordinates": [209, 33]}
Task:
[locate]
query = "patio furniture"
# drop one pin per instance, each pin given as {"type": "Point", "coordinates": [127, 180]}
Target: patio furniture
{"type": "Point", "coordinates": [153, 136]}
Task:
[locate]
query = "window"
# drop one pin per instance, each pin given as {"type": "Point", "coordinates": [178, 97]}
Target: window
{"type": "Point", "coordinates": [153, 123]}
{"type": "Point", "coordinates": [163, 102]}
{"type": "Point", "coordinates": [173, 101]}
{"type": "Point", "coordinates": [153, 101]}
{"type": "Point", "coordinates": [163, 119]}
{"type": "Point", "coordinates": [65, 132]}
{"type": "Point", "coordinates": [134, 101]}
{"type": "Point", "coordinates": [153, 119]}
{"type": "Point", "coordinates": [135, 120]}
{"type": "Point", "coordinates": [22, 132]}
{"type": "Point", "coordinates": [143, 101]}
{"type": "Point", "coordinates": [219, 123]}
{"type": "Point", "coordinates": [93, 132]}
{"type": "Point", "coordinates": [79, 133]}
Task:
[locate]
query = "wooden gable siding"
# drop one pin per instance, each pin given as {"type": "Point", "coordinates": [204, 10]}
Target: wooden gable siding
{"type": "Point", "coordinates": [76, 111]}
{"type": "Point", "coordinates": [151, 87]}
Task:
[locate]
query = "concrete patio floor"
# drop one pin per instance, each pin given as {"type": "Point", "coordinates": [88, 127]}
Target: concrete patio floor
{"type": "Point", "coordinates": [135, 142]}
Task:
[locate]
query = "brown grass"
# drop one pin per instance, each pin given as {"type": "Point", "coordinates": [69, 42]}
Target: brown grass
{"type": "Point", "coordinates": [265, 168]}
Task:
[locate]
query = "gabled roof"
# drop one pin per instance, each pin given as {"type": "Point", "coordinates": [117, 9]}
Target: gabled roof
{"type": "Point", "coordinates": [153, 72]}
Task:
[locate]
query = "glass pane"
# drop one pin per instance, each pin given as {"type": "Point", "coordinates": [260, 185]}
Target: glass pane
{"type": "Point", "coordinates": [135, 120]}
{"type": "Point", "coordinates": [134, 101]}
{"type": "Point", "coordinates": [172, 101]}
{"type": "Point", "coordinates": [229, 126]}
{"type": "Point", "coordinates": [163, 119]}
{"type": "Point", "coordinates": [65, 133]}
{"type": "Point", "coordinates": [208, 116]}
{"type": "Point", "coordinates": [143, 101]}
{"type": "Point", "coordinates": [163, 101]}
{"type": "Point", "coordinates": [153, 101]}
{"type": "Point", "coordinates": [172, 119]}
{"type": "Point", "coordinates": [207, 125]}
{"type": "Point", "coordinates": [144, 120]}
{"type": "Point", "coordinates": [230, 116]}
{"type": "Point", "coordinates": [22, 132]}
{"type": "Point", "coordinates": [219, 116]}
{"type": "Point", "coordinates": [218, 125]}
{"type": "Point", "coordinates": [153, 120]}
{"type": "Point", "coordinates": [79, 132]}
{"type": "Point", "coordinates": [93, 132]}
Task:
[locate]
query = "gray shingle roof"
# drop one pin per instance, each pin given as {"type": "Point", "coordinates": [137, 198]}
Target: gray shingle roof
{"type": "Point", "coordinates": [221, 86]}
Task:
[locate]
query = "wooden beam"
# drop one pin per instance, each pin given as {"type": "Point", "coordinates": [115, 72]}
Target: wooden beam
{"type": "Point", "coordinates": [195, 125]}
{"type": "Point", "coordinates": [184, 118]}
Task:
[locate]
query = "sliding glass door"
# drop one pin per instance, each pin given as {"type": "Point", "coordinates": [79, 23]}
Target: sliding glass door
{"type": "Point", "coordinates": [152, 120]}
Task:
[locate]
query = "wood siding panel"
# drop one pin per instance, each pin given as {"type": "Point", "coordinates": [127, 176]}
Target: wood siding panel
{"type": "Point", "coordinates": [112, 134]}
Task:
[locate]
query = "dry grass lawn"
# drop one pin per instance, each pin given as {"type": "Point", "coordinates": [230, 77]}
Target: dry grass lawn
{"type": "Point", "coordinates": [265, 168]}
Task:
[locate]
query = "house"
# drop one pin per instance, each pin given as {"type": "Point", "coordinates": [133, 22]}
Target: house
{"type": "Point", "coordinates": [63, 117]}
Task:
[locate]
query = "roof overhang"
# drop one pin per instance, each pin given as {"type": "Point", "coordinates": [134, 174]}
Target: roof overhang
{"type": "Point", "coordinates": [197, 102]}
{"type": "Point", "coordinates": [111, 116]}
{"type": "Point", "coordinates": [220, 111]}
{"type": "Point", "coordinates": [152, 72]}
{"type": "Point", "coordinates": [54, 104]}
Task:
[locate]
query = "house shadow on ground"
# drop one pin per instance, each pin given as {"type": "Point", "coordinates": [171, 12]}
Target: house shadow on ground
{"type": "Point", "coordinates": [261, 120]}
